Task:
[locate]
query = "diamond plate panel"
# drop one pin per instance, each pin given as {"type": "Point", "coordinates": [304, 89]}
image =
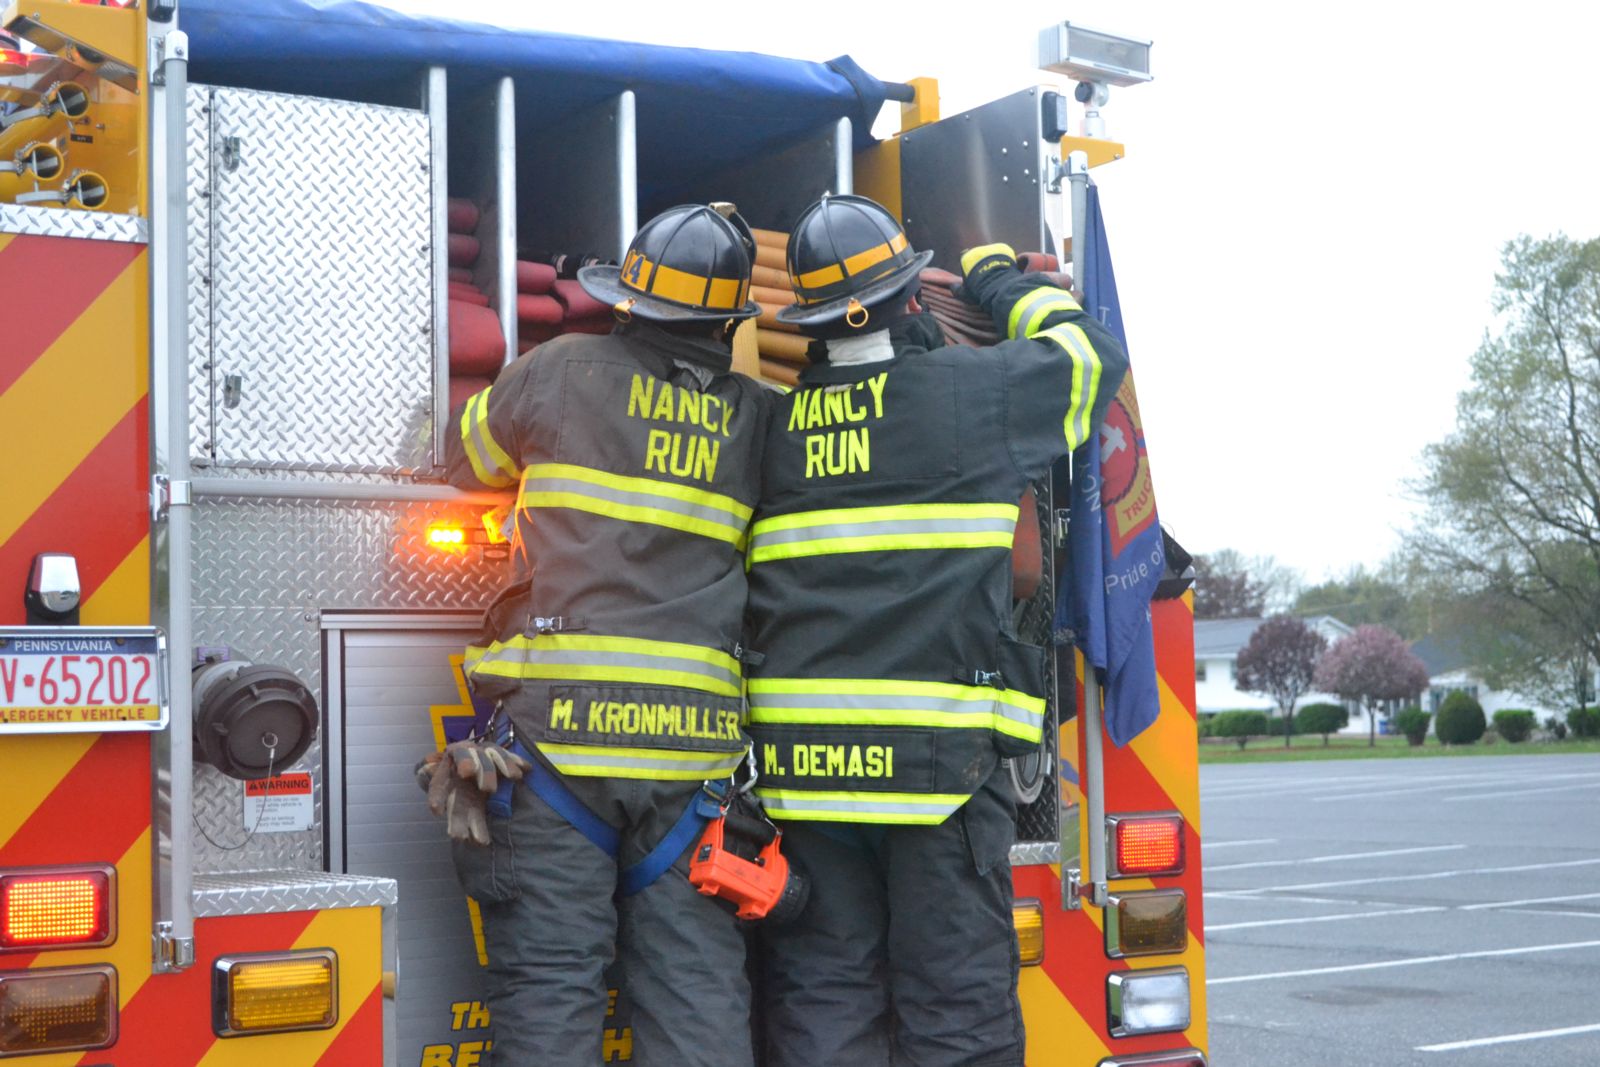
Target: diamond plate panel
{"type": "Point", "coordinates": [322, 283]}
{"type": "Point", "coordinates": [71, 222]}
{"type": "Point", "coordinates": [258, 892]}
{"type": "Point", "coordinates": [263, 571]}
{"type": "Point", "coordinates": [198, 131]}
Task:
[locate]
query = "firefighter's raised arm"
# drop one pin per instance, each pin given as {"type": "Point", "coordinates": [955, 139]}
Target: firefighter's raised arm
{"type": "Point", "coordinates": [484, 442]}
{"type": "Point", "coordinates": [1060, 365]}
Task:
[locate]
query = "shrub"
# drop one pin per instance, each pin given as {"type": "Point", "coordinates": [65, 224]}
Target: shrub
{"type": "Point", "coordinates": [1321, 719]}
{"type": "Point", "coordinates": [1203, 723]}
{"type": "Point", "coordinates": [1557, 728]}
{"type": "Point", "coordinates": [1461, 720]}
{"type": "Point", "coordinates": [1584, 722]}
{"type": "Point", "coordinates": [1239, 725]}
{"type": "Point", "coordinates": [1514, 724]}
{"type": "Point", "coordinates": [1413, 722]}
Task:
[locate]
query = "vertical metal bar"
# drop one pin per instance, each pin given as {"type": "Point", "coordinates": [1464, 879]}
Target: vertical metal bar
{"type": "Point", "coordinates": [173, 937]}
{"type": "Point", "coordinates": [844, 158]}
{"type": "Point", "coordinates": [1094, 784]}
{"type": "Point", "coordinates": [505, 191]}
{"type": "Point", "coordinates": [1091, 715]}
{"type": "Point", "coordinates": [436, 99]}
{"type": "Point", "coordinates": [333, 816]}
{"type": "Point", "coordinates": [627, 172]}
{"type": "Point", "coordinates": [1078, 175]}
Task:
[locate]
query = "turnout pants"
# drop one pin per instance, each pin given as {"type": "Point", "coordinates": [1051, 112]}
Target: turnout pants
{"type": "Point", "coordinates": [905, 953]}
{"type": "Point", "coordinates": [552, 924]}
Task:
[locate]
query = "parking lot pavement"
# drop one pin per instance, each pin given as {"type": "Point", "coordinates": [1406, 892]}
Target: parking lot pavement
{"type": "Point", "coordinates": [1399, 912]}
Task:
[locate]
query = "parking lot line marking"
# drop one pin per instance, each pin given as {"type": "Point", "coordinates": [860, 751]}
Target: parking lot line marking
{"type": "Point", "coordinates": [1503, 794]}
{"type": "Point", "coordinates": [1213, 868]}
{"type": "Point", "coordinates": [1411, 961]}
{"type": "Point", "coordinates": [1468, 782]}
{"type": "Point", "coordinates": [1237, 844]}
{"type": "Point", "coordinates": [1402, 878]}
{"type": "Point", "coordinates": [1530, 900]}
{"type": "Point", "coordinates": [1317, 919]}
{"type": "Point", "coordinates": [1562, 914]}
{"type": "Point", "coordinates": [1533, 1035]}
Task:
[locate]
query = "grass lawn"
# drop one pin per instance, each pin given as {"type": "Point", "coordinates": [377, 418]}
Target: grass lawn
{"type": "Point", "coordinates": [1270, 749]}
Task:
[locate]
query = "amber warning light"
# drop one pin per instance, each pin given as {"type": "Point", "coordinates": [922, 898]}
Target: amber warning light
{"type": "Point", "coordinates": [447, 538]}
{"type": "Point", "coordinates": [1145, 845]}
{"type": "Point", "coordinates": [56, 908]}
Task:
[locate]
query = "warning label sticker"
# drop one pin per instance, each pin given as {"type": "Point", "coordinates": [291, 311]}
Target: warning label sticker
{"type": "Point", "coordinates": [278, 805]}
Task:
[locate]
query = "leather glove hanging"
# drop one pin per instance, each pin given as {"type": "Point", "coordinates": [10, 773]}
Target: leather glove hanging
{"type": "Point", "coordinates": [460, 780]}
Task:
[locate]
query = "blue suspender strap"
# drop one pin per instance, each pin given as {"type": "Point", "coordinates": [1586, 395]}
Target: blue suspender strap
{"type": "Point", "coordinates": [548, 788]}
{"type": "Point", "coordinates": [705, 806]}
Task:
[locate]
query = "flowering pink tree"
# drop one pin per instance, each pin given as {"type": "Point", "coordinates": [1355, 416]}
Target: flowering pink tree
{"type": "Point", "coordinates": [1279, 661]}
{"type": "Point", "coordinates": [1372, 666]}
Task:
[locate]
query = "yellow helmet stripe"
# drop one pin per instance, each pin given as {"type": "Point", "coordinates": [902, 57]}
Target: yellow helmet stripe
{"type": "Point", "coordinates": [657, 279]}
{"type": "Point", "coordinates": [836, 272]}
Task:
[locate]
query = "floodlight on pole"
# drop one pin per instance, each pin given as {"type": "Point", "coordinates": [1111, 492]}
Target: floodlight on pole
{"type": "Point", "coordinates": [1096, 60]}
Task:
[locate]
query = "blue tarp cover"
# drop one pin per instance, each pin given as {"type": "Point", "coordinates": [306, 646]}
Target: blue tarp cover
{"type": "Point", "coordinates": [697, 109]}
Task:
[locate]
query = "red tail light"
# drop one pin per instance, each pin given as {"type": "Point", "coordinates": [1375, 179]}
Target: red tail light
{"type": "Point", "coordinates": [1143, 846]}
{"type": "Point", "coordinates": [57, 908]}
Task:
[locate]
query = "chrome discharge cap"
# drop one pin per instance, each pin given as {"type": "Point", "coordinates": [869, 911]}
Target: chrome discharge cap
{"type": "Point", "coordinates": [251, 720]}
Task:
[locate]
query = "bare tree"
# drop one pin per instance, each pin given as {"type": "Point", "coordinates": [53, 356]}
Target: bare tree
{"type": "Point", "coordinates": [1280, 660]}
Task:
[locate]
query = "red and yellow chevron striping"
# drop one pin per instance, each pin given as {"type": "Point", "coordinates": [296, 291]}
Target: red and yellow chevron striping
{"type": "Point", "coordinates": [73, 401]}
{"type": "Point", "coordinates": [1064, 999]}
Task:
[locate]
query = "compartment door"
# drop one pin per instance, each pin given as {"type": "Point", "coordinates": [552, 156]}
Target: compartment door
{"type": "Point", "coordinates": [321, 268]}
{"type": "Point", "coordinates": [983, 175]}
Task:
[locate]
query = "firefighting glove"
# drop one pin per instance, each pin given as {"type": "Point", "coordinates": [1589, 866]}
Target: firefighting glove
{"type": "Point", "coordinates": [460, 780]}
{"type": "Point", "coordinates": [984, 270]}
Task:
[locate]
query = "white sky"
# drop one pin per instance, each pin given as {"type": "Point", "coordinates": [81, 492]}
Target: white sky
{"type": "Point", "coordinates": [1305, 230]}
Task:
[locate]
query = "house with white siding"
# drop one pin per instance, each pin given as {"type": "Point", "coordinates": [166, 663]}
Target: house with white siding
{"type": "Point", "coordinates": [1216, 677]}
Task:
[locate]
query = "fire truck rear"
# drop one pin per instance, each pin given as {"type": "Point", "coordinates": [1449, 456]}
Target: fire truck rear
{"type": "Point", "coordinates": [235, 242]}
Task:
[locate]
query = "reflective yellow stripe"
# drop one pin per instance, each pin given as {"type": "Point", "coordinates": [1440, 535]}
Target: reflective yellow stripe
{"type": "Point", "coordinates": [646, 500]}
{"type": "Point", "coordinates": [658, 764]}
{"type": "Point", "coordinates": [893, 702]}
{"type": "Point", "coordinates": [852, 265]}
{"type": "Point", "coordinates": [972, 256]}
{"type": "Point", "coordinates": [904, 527]}
{"type": "Point", "coordinates": [632, 660]}
{"type": "Point", "coordinates": [1034, 306]}
{"type": "Point", "coordinates": [481, 447]}
{"type": "Point", "coordinates": [903, 808]}
{"type": "Point", "coordinates": [1086, 361]}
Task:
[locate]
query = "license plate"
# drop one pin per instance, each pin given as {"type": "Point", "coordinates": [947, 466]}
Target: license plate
{"type": "Point", "coordinates": [64, 680]}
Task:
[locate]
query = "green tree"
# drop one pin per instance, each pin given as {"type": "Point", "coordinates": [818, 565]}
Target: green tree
{"type": "Point", "coordinates": [1323, 719]}
{"type": "Point", "coordinates": [1513, 494]}
{"type": "Point", "coordinates": [1381, 597]}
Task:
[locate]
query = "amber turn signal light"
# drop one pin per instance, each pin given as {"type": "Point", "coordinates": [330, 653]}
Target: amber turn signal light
{"type": "Point", "coordinates": [275, 992]}
{"type": "Point", "coordinates": [57, 1010]}
{"type": "Point", "coordinates": [1027, 918]}
{"type": "Point", "coordinates": [1150, 923]}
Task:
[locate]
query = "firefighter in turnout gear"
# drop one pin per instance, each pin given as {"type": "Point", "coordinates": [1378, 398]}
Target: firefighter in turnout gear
{"type": "Point", "coordinates": [892, 682]}
{"type": "Point", "coordinates": [614, 653]}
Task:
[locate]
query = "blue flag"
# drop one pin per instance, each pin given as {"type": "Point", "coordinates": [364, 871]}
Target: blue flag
{"type": "Point", "coordinates": [1113, 531]}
